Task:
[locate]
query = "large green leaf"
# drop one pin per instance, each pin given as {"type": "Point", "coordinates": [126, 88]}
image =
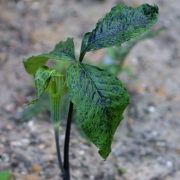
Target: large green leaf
{"type": "Point", "coordinates": [121, 24]}
{"type": "Point", "coordinates": [64, 50]}
{"type": "Point", "coordinates": [100, 99]}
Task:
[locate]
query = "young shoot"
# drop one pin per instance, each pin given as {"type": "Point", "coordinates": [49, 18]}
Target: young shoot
{"type": "Point", "coordinates": [98, 97]}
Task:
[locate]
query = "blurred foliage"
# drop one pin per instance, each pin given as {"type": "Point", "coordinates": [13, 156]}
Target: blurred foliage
{"type": "Point", "coordinates": [122, 171]}
{"type": "Point", "coordinates": [5, 175]}
{"type": "Point", "coordinates": [116, 56]}
{"type": "Point", "coordinates": [113, 62]}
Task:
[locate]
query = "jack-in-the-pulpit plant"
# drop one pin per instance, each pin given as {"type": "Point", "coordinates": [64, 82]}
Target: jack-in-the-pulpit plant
{"type": "Point", "coordinates": [98, 97]}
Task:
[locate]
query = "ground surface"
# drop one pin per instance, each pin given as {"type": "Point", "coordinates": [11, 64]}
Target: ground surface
{"type": "Point", "coordinates": [146, 145]}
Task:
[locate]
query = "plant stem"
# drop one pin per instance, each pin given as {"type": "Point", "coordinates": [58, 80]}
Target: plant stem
{"type": "Point", "coordinates": [56, 133]}
{"type": "Point", "coordinates": [66, 143]}
{"type": "Point", "coordinates": [55, 116]}
{"type": "Point", "coordinates": [81, 57]}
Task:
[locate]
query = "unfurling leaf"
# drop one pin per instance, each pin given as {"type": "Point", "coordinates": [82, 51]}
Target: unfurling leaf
{"type": "Point", "coordinates": [121, 24]}
{"type": "Point", "coordinates": [43, 77]}
{"type": "Point", "coordinates": [64, 50]}
{"type": "Point", "coordinates": [100, 99]}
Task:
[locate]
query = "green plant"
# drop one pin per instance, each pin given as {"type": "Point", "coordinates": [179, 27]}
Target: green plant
{"type": "Point", "coordinates": [98, 96]}
{"type": "Point", "coordinates": [113, 62]}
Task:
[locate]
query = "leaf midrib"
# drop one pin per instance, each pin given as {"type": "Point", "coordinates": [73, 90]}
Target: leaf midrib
{"type": "Point", "coordinates": [88, 75]}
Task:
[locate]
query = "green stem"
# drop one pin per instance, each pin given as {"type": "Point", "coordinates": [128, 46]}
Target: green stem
{"type": "Point", "coordinates": [56, 133]}
{"type": "Point", "coordinates": [55, 116]}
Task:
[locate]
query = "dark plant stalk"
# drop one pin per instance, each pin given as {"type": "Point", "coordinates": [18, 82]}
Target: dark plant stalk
{"type": "Point", "coordinates": [67, 136]}
{"type": "Point", "coordinates": [66, 143]}
{"type": "Point", "coordinates": [81, 57]}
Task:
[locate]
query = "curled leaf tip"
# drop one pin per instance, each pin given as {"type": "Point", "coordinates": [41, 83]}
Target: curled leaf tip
{"type": "Point", "coordinates": [148, 9]}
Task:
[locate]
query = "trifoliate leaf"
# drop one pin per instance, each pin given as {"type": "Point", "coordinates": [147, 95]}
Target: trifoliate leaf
{"type": "Point", "coordinates": [100, 99]}
{"type": "Point", "coordinates": [64, 50]}
{"type": "Point", "coordinates": [121, 24]}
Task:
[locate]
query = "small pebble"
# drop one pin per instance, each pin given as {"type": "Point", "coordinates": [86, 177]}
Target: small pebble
{"type": "Point", "coordinates": [36, 168]}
